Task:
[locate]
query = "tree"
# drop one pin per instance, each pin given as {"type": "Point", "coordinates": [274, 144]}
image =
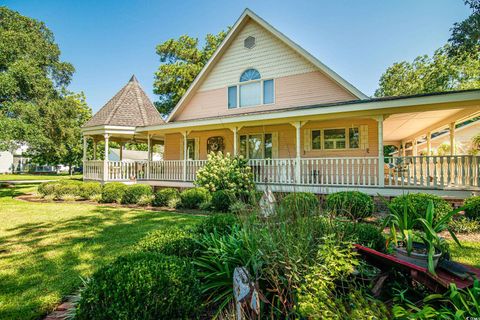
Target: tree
{"type": "Point", "coordinates": [182, 60]}
{"type": "Point", "coordinates": [466, 34]}
{"type": "Point", "coordinates": [436, 74]}
{"type": "Point", "coordinates": [455, 66]}
{"type": "Point", "coordinates": [61, 122]}
{"type": "Point", "coordinates": [35, 107]}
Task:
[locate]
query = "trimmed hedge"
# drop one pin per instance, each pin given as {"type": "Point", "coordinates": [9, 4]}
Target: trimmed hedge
{"type": "Point", "coordinates": [170, 241]}
{"type": "Point", "coordinates": [472, 208]}
{"type": "Point", "coordinates": [300, 204]}
{"type": "Point", "coordinates": [222, 200]}
{"type": "Point", "coordinates": [353, 204]}
{"type": "Point", "coordinates": [136, 193]}
{"type": "Point", "coordinates": [168, 197]}
{"type": "Point", "coordinates": [60, 189]}
{"type": "Point", "coordinates": [89, 190]}
{"type": "Point", "coordinates": [419, 203]}
{"type": "Point", "coordinates": [143, 285]}
{"type": "Point", "coordinates": [193, 198]}
{"type": "Point", "coordinates": [113, 192]}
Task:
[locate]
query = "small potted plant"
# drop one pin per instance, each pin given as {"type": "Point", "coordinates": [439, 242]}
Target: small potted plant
{"type": "Point", "coordinates": [429, 247]}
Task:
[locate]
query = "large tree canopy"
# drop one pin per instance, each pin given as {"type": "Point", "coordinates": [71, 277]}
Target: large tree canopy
{"type": "Point", "coordinates": [182, 60]}
{"type": "Point", "coordinates": [431, 74]}
{"type": "Point", "coordinates": [456, 66]}
{"type": "Point", "coordinates": [35, 107]}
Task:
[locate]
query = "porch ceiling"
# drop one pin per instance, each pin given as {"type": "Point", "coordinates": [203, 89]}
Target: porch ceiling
{"type": "Point", "coordinates": [405, 126]}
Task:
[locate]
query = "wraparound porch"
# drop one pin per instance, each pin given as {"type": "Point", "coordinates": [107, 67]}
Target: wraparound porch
{"type": "Point", "coordinates": [456, 176]}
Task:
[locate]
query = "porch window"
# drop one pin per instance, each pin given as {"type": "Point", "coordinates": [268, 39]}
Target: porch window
{"type": "Point", "coordinates": [251, 91]}
{"type": "Point", "coordinates": [191, 149]}
{"type": "Point", "coordinates": [336, 138]}
{"type": "Point", "coordinates": [256, 146]}
{"type": "Point", "coordinates": [353, 138]}
{"type": "Point", "coordinates": [316, 139]}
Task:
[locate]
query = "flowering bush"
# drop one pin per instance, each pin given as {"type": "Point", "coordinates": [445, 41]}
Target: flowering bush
{"type": "Point", "coordinates": [223, 172]}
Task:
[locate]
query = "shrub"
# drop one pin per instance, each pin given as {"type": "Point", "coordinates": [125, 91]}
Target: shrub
{"type": "Point", "coordinates": [353, 204]}
{"type": "Point", "coordinates": [242, 208]}
{"type": "Point", "coordinates": [418, 202]}
{"type": "Point", "coordinates": [221, 223]}
{"type": "Point", "coordinates": [47, 188]}
{"type": "Point", "coordinates": [90, 190]}
{"type": "Point", "coordinates": [194, 197]}
{"type": "Point", "coordinates": [67, 189]}
{"type": "Point", "coordinates": [171, 241]}
{"type": "Point", "coordinates": [141, 286]}
{"type": "Point", "coordinates": [361, 233]}
{"type": "Point", "coordinates": [113, 192]}
{"type": "Point", "coordinates": [464, 225]}
{"type": "Point", "coordinates": [135, 192]}
{"type": "Point", "coordinates": [168, 197]}
{"type": "Point", "coordinates": [221, 200]}
{"type": "Point", "coordinates": [300, 204]}
{"type": "Point", "coordinates": [225, 173]}
{"type": "Point", "coordinates": [472, 208]}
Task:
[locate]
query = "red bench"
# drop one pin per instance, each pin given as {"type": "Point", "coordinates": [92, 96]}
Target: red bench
{"type": "Point", "coordinates": [437, 283]}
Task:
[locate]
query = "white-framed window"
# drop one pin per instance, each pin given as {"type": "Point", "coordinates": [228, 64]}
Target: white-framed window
{"type": "Point", "coordinates": [256, 145]}
{"type": "Point", "coordinates": [335, 138]}
{"type": "Point", "coordinates": [191, 149]}
{"type": "Point", "coordinates": [252, 90]}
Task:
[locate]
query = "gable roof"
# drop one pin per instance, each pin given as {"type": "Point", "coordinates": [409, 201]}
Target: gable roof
{"type": "Point", "coordinates": [244, 18]}
{"type": "Point", "coordinates": [129, 107]}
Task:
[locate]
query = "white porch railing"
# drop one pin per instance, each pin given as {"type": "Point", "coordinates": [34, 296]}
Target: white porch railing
{"type": "Point", "coordinates": [349, 171]}
{"type": "Point", "coordinates": [423, 172]}
{"type": "Point", "coordinates": [93, 169]}
{"type": "Point", "coordinates": [433, 172]}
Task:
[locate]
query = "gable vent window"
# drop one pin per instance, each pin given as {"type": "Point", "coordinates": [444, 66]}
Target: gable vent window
{"type": "Point", "coordinates": [251, 91]}
{"type": "Point", "coordinates": [249, 42]}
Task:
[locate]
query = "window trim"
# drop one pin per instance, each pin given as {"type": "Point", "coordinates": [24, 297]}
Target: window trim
{"type": "Point", "coordinates": [322, 138]}
{"type": "Point", "coordinates": [239, 84]}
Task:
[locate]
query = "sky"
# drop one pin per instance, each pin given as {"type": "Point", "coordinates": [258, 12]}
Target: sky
{"type": "Point", "coordinates": [107, 41]}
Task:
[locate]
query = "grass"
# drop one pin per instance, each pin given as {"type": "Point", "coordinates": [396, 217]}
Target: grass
{"type": "Point", "coordinates": [46, 247]}
{"type": "Point", "coordinates": [468, 253]}
{"type": "Point", "coordinates": [18, 177]}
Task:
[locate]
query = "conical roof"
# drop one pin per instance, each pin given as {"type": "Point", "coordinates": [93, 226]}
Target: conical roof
{"type": "Point", "coordinates": [130, 107]}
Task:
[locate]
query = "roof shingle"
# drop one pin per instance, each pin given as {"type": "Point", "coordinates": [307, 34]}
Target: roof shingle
{"type": "Point", "coordinates": [130, 107]}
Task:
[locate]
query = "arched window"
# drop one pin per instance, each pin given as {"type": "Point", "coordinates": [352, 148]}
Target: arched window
{"type": "Point", "coordinates": [254, 92]}
{"type": "Point", "coordinates": [250, 74]}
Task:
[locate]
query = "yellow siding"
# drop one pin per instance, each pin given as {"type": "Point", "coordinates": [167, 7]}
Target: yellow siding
{"type": "Point", "coordinates": [286, 140]}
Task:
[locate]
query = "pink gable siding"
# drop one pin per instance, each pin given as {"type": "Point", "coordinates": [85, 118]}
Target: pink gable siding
{"type": "Point", "coordinates": [290, 91]}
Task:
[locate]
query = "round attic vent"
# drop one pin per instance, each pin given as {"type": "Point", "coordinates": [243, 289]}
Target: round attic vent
{"type": "Point", "coordinates": [249, 42]}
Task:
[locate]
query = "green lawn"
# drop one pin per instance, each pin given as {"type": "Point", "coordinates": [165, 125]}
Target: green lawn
{"type": "Point", "coordinates": [17, 177]}
{"type": "Point", "coordinates": [46, 247]}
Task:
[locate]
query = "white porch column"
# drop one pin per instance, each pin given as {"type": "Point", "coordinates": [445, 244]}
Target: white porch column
{"type": "Point", "coordinates": [298, 126]}
{"type": "Point", "coordinates": [85, 148]}
{"type": "Point", "coordinates": [415, 147]}
{"type": "Point", "coordinates": [121, 151]}
{"type": "Point", "coordinates": [429, 143]}
{"type": "Point", "coordinates": [404, 152]}
{"type": "Point", "coordinates": [105, 158]}
{"type": "Point", "coordinates": [452, 139]}
{"type": "Point", "coordinates": [381, 165]}
{"type": "Point", "coordinates": [94, 149]}
{"type": "Point", "coordinates": [235, 141]}
{"type": "Point", "coordinates": [185, 155]}
{"type": "Point", "coordinates": [149, 155]}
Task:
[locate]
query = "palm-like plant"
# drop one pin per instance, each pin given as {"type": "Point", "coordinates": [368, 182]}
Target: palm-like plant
{"type": "Point", "coordinates": [401, 223]}
{"type": "Point", "coordinates": [431, 230]}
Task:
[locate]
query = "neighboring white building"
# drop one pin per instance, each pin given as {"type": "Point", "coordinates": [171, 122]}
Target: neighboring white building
{"type": "Point", "coordinates": [132, 155]}
{"type": "Point", "coordinates": [6, 162]}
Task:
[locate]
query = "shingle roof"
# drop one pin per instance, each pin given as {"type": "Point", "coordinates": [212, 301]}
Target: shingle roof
{"type": "Point", "coordinates": [129, 107]}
